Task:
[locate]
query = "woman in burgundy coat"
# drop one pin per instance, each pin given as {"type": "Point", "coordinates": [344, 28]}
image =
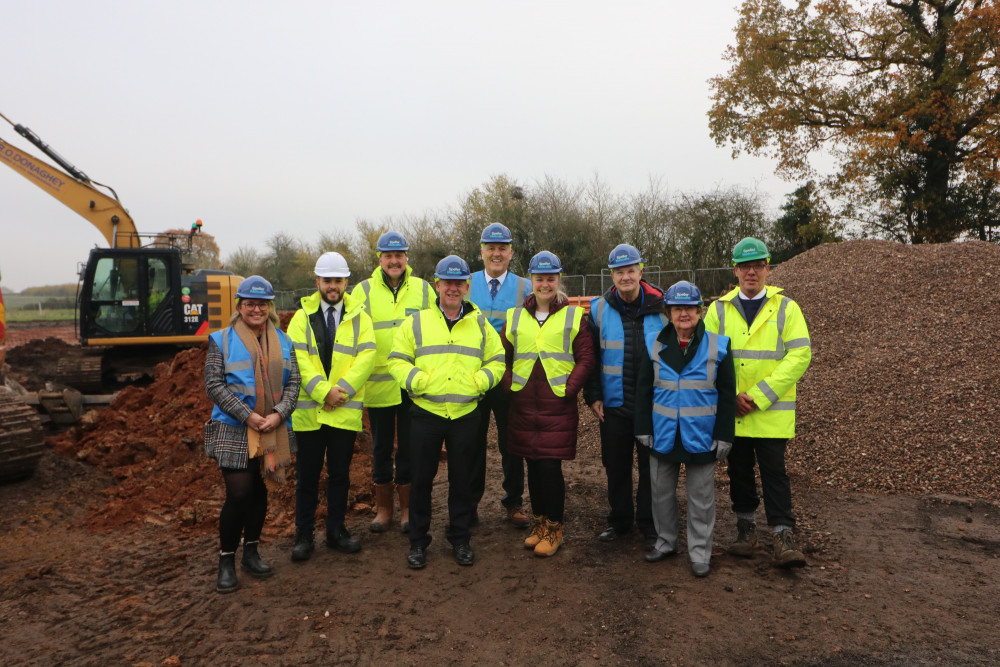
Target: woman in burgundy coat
{"type": "Point", "coordinates": [549, 355]}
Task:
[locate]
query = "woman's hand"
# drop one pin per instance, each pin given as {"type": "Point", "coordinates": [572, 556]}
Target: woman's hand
{"type": "Point", "coordinates": [264, 424]}
{"type": "Point", "coordinates": [271, 422]}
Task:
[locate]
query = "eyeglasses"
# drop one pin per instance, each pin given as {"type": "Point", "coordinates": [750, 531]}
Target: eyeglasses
{"type": "Point", "coordinates": [256, 305]}
{"type": "Point", "coordinates": [756, 266]}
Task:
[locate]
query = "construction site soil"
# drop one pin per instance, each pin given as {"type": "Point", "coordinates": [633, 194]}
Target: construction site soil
{"type": "Point", "coordinates": [108, 554]}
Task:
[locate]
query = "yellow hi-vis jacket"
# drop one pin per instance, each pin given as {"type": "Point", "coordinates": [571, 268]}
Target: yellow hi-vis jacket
{"type": "Point", "coordinates": [388, 311]}
{"type": "Point", "coordinates": [447, 372]}
{"type": "Point", "coordinates": [550, 342]}
{"type": "Point", "coordinates": [770, 356]}
{"type": "Point", "coordinates": [350, 365]}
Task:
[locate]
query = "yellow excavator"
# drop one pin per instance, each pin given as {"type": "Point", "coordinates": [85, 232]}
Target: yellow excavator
{"type": "Point", "coordinates": [140, 295]}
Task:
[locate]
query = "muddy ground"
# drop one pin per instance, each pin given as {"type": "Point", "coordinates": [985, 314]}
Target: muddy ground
{"type": "Point", "coordinates": [891, 580]}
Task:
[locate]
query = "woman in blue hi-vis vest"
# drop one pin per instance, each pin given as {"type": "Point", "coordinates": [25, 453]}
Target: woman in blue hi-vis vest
{"type": "Point", "coordinates": [691, 418]}
{"type": "Point", "coordinates": [252, 378]}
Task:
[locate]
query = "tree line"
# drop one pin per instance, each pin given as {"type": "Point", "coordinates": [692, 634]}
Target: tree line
{"type": "Point", "coordinates": [579, 223]}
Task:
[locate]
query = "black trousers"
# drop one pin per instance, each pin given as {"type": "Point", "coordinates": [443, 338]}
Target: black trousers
{"type": "Point", "coordinates": [245, 507]}
{"type": "Point", "coordinates": [769, 455]}
{"type": "Point", "coordinates": [336, 445]}
{"type": "Point", "coordinates": [458, 436]}
{"type": "Point", "coordinates": [617, 446]}
{"type": "Point", "coordinates": [547, 488]}
{"type": "Point", "coordinates": [497, 402]}
{"type": "Point", "coordinates": [391, 426]}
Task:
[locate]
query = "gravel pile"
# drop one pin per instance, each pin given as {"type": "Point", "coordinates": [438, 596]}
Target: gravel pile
{"type": "Point", "coordinates": [901, 395]}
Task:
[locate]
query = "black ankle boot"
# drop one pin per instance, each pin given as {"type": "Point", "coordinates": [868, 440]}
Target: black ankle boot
{"type": "Point", "coordinates": [304, 544]}
{"type": "Point", "coordinates": [252, 562]}
{"type": "Point", "coordinates": [227, 574]}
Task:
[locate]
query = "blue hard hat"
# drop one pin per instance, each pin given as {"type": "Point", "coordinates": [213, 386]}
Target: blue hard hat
{"type": "Point", "coordinates": [624, 255]}
{"type": "Point", "coordinates": [452, 267]}
{"type": "Point", "coordinates": [545, 262]}
{"type": "Point", "coordinates": [496, 233]}
{"type": "Point", "coordinates": [683, 293]}
{"type": "Point", "coordinates": [392, 241]}
{"type": "Point", "coordinates": [255, 287]}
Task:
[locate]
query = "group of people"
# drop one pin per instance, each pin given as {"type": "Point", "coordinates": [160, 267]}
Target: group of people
{"type": "Point", "coordinates": [433, 362]}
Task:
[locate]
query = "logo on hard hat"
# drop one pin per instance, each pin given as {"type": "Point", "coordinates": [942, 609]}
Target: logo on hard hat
{"type": "Point", "coordinates": [684, 295]}
{"type": "Point", "coordinates": [454, 270]}
{"type": "Point", "coordinates": [496, 234]}
{"type": "Point", "coordinates": [258, 289]}
{"type": "Point", "coordinates": [749, 251]}
{"type": "Point", "coordinates": [622, 256]}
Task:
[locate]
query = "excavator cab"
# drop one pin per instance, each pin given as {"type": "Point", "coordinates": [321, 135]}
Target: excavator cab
{"type": "Point", "coordinates": [130, 293]}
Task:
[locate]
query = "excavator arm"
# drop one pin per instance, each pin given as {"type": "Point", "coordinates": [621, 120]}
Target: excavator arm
{"type": "Point", "coordinates": [75, 191]}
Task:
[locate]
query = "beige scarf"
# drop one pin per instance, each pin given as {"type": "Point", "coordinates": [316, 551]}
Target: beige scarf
{"type": "Point", "coordinates": [268, 371]}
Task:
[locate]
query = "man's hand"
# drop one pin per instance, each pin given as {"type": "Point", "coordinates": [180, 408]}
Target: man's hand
{"type": "Point", "coordinates": [744, 404]}
{"type": "Point", "coordinates": [334, 399]}
{"type": "Point", "coordinates": [597, 407]}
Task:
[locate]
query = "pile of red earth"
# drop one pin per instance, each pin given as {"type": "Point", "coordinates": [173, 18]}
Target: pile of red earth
{"type": "Point", "coordinates": [901, 393]}
{"type": "Point", "coordinates": [151, 440]}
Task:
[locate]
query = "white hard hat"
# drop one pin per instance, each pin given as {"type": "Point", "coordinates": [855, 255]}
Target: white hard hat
{"type": "Point", "coordinates": [332, 265]}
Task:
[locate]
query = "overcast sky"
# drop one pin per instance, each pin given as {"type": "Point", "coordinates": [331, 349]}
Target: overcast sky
{"type": "Point", "coordinates": [307, 116]}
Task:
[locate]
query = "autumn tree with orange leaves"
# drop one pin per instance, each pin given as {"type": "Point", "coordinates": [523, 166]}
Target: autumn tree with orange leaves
{"type": "Point", "coordinates": [903, 94]}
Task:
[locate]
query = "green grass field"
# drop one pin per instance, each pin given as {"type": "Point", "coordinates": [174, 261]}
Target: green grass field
{"type": "Point", "coordinates": [46, 315]}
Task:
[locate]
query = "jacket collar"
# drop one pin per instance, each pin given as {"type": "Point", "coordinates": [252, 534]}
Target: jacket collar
{"type": "Point", "coordinates": [313, 302]}
{"type": "Point", "coordinates": [770, 290]}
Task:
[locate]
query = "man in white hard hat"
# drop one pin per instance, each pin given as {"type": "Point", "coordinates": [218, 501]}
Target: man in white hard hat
{"type": "Point", "coordinates": [334, 345]}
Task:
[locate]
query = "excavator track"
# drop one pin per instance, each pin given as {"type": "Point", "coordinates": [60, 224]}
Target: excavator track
{"type": "Point", "coordinates": [21, 439]}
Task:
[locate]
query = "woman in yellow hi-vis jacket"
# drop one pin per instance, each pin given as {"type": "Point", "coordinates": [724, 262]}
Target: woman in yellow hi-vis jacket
{"type": "Point", "coordinates": [549, 356]}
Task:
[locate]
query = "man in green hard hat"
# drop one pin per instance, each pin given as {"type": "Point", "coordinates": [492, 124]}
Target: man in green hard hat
{"type": "Point", "coordinates": [771, 351]}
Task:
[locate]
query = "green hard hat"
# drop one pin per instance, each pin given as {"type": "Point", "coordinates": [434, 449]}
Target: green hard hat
{"type": "Point", "coordinates": [750, 249]}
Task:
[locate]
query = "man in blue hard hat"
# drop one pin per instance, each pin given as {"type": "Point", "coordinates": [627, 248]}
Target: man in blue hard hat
{"type": "Point", "coordinates": [495, 290]}
{"type": "Point", "coordinates": [388, 296]}
{"type": "Point", "coordinates": [447, 357]}
{"type": "Point", "coordinates": [628, 315]}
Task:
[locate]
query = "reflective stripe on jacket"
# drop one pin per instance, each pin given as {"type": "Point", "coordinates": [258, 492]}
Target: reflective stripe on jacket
{"type": "Point", "coordinates": [351, 362]}
{"type": "Point", "coordinates": [240, 376]}
{"type": "Point", "coordinates": [510, 295]}
{"type": "Point", "coordinates": [388, 311]}
{"type": "Point", "coordinates": [612, 340]}
{"type": "Point", "coordinates": [445, 371]}
{"type": "Point", "coordinates": [688, 400]}
{"type": "Point", "coordinates": [551, 342]}
{"type": "Point", "coordinates": [770, 356]}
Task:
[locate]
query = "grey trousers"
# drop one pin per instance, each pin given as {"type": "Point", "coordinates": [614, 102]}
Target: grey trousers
{"type": "Point", "coordinates": [700, 507]}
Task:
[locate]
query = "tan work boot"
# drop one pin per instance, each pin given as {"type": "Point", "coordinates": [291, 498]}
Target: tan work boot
{"type": "Point", "coordinates": [403, 491]}
{"type": "Point", "coordinates": [786, 551]}
{"type": "Point", "coordinates": [517, 516]}
{"type": "Point", "coordinates": [551, 540]}
{"type": "Point", "coordinates": [746, 539]}
{"type": "Point", "coordinates": [537, 532]}
{"type": "Point", "coordinates": [383, 508]}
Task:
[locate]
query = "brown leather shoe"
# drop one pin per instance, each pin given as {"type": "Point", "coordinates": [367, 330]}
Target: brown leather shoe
{"type": "Point", "coordinates": [518, 517]}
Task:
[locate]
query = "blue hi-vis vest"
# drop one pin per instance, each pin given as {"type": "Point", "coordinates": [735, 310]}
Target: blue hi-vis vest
{"type": "Point", "coordinates": [240, 376]}
{"type": "Point", "coordinates": [687, 400]}
{"type": "Point", "coordinates": [612, 334]}
{"type": "Point", "coordinates": [510, 295]}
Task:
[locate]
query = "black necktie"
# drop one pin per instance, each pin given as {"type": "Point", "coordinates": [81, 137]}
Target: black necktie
{"type": "Point", "coordinates": [331, 324]}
